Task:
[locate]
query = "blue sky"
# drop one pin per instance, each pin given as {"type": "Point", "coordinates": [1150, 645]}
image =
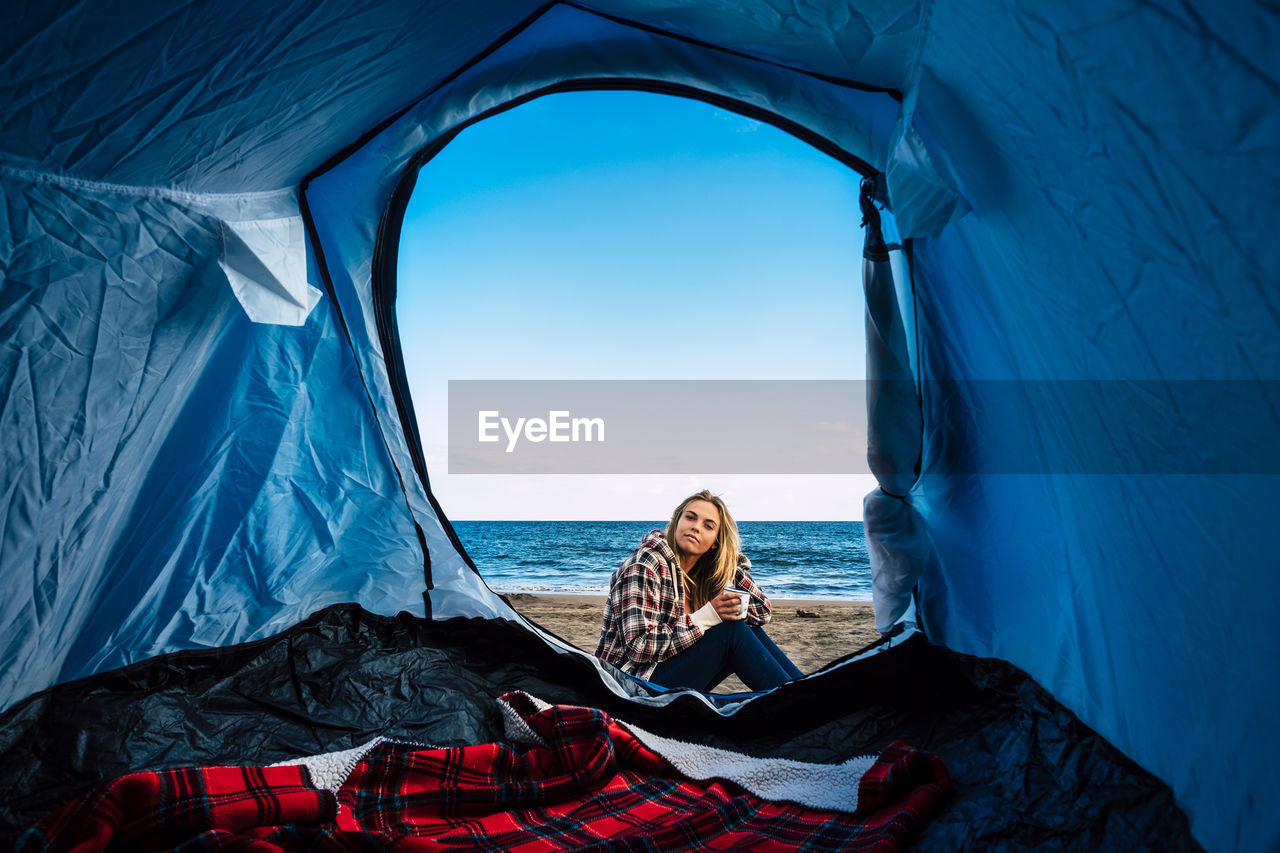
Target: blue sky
{"type": "Point", "coordinates": [608, 235]}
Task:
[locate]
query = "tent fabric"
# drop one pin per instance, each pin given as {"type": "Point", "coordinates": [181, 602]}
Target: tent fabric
{"type": "Point", "coordinates": [200, 451]}
{"type": "Point", "coordinates": [140, 515]}
{"type": "Point", "coordinates": [897, 539]}
{"type": "Point", "coordinates": [1030, 775]}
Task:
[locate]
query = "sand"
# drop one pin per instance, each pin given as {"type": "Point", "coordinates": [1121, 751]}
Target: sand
{"type": "Point", "coordinates": [836, 628]}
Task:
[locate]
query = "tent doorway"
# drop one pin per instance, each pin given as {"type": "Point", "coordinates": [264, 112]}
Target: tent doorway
{"type": "Point", "coordinates": [630, 236]}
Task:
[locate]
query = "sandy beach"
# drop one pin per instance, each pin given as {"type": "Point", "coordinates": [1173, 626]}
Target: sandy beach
{"type": "Point", "coordinates": [834, 629]}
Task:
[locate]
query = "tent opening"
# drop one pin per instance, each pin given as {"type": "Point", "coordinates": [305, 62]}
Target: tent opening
{"type": "Point", "coordinates": [633, 237]}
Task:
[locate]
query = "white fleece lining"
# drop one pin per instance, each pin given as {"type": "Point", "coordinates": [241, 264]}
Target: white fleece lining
{"type": "Point", "coordinates": [832, 787]}
{"type": "Point", "coordinates": [330, 769]}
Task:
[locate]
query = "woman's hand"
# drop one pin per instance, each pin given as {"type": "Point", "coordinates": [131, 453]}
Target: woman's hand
{"type": "Point", "coordinates": [728, 606]}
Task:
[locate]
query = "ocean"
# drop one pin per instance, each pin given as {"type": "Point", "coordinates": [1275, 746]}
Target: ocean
{"type": "Point", "coordinates": [790, 559]}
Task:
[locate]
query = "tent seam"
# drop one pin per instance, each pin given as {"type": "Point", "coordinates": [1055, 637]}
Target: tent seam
{"type": "Point", "coordinates": [917, 61]}
{"type": "Point", "coordinates": [184, 196]}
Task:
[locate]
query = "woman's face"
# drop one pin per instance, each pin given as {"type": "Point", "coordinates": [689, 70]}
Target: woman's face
{"type": "Point", "coordinates": [697, 528]}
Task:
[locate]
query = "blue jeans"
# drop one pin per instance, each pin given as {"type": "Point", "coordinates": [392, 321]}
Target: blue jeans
{"type": "Point", "coordinates": [730, 648]}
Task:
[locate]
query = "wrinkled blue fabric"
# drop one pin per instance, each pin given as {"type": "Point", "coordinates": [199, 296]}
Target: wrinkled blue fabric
{"type": "Point", "coordinates": [1092, 186]}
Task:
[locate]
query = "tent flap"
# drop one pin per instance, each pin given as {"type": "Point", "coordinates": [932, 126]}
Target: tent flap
{"type": "Point", "coordinates": [265, 262]}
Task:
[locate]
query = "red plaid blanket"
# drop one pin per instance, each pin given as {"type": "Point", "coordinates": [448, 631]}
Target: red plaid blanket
{"type": "Point", "coordinates": [586, 783]}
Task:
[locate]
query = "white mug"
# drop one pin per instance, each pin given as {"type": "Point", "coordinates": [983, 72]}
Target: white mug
{"type": "Point", "coordinates": [743, 596]}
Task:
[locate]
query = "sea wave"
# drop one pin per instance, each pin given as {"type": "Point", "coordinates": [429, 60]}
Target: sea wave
{"type": "Point", "coordinates": [790, 559]}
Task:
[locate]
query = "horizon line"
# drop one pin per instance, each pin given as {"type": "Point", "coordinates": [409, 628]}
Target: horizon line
{"type": "Point", "coordinates": [648, 520]}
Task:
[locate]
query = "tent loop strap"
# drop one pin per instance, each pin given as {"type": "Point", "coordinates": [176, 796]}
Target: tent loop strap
{"type": "Point", "coordinates": [874, 248]}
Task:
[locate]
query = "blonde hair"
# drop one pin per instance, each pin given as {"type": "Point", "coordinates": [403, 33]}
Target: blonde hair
{"type": "Point", "coordinates": [717, 568]}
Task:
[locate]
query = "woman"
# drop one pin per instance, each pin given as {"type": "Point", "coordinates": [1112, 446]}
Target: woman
{"type": "Point", "coordinates": [668, 618]}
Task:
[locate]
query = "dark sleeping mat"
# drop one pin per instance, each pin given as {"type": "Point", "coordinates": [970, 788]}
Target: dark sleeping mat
{"type": "Point", "coordinates": [1026, 774]}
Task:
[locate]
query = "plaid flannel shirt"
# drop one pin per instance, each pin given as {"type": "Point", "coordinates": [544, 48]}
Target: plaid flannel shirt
{"type": "Point", "coordinates": [644, 616]}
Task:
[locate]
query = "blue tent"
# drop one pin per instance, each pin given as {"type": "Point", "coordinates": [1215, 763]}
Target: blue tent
{"type": "Point", "coordinates": [208, 435]}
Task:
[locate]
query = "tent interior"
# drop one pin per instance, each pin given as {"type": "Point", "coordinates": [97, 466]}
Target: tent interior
{"type": "Point", "coordinates": [215, 502]}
